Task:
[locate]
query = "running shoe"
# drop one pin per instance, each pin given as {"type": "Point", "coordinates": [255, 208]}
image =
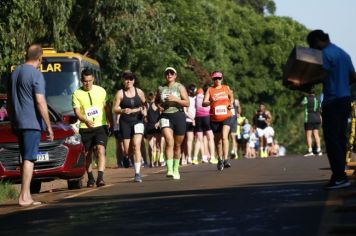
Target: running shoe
{"type": "Point", "coordinates": [189, 160]}
{"type": "Point", "coordinates": [333, 184]}
{"type": "Point", "coordinates": [126, 162]}
{"type": "Point", "coordinates": [220, 165]}
{"type": "Point", "coordinates": [184, 162]}
{"type": "Point", "coordinates": [227, 164]}
{"type": "Point", "coordinates": [195, 162]}
{"type": "Point", "coordinates": [213, 161]}
{"type": "Point", "coordinates": [262, 154]}
{"type": "Point", "coordinates": [169, 173]}
{"type": "Point", "coordinates": [265, 154]}
{"type": "Point", "coordinates": [90, 183]}
{"type": "Point", "coordinates": [137, 178]}
{"type": "Point", "coordinates": [320, 153]}
{"type": "Point", "coordinates": [100, 183]}
{"type": "Point", "coordinates": [232, 155]}
{"type": "Point", "coordinates": [204, 160]}
{"type": "Point", "coordinates": [176, 175]}
{"type": "Point", "coordinates": [309, 154]}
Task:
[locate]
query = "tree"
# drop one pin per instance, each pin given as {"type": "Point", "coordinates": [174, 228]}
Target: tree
{"type": "Point", "coordinates": [241, 38]}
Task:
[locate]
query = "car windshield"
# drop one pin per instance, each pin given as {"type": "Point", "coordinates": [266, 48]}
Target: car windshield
{"type": "Point", "coordinates": [62, 79]}
{"type": "Point", "coordinates": [4, 116]}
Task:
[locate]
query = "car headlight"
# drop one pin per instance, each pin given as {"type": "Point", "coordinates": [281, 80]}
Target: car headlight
{"type": "Point", "coordinates": [73, 140]}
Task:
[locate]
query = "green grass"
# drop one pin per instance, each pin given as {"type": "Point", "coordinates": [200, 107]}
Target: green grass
{"type": "Point", "coordinates": [7, 191]}
{"type": "Point", "coordinates": [111, 152]}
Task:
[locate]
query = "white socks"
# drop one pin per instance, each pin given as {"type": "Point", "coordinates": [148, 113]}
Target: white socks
{"type": "Point", "coordinates": [137, 167]}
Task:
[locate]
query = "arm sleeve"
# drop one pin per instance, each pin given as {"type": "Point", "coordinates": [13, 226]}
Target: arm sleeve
{"type": "Point", "coordinates": [38, 83]}
{"type": "Point", "coordinates": [75, 101]}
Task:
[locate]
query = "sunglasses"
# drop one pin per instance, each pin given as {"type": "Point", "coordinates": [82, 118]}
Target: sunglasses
{"type": "Point", "coordinates": [217, 78]}
{"type": "Point", "coordinates": [170, 72]}
{"type": "Point", "coordinates": [130, 78]}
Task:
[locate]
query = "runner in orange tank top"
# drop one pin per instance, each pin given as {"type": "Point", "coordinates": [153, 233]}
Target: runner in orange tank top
{"type": "Point", "coordinates": [219, 97]}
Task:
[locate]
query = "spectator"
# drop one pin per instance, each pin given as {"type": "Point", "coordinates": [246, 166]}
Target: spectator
{"type": "Point", "coordinates": [336, 106]}
{"type": "Point", "coordinates": [3, 112]}
{"type": "Point", "coordinates": [29, 116]}
{"type": "Point", "coordinates": [251, 144]}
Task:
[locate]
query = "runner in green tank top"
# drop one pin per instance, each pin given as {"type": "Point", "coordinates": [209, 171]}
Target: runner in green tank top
{"type": "Point", "coordinates": [171, 99]}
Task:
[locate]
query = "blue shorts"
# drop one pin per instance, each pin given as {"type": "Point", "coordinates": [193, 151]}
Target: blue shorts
{"type": "Point", "coordinates": [29, 140]}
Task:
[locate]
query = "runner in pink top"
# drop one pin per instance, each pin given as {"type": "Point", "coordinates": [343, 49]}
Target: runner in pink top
{"type": "Point", "coordinates": [202, 126]}
{"type": "Point", "coordinates": [200, 110]}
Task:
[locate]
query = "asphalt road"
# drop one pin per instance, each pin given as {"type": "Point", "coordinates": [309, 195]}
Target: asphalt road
{"type": "Point", "coordinates": [275, 196]}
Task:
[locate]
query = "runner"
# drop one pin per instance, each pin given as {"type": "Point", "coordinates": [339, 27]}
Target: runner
{"type": "Point", "coordinates": [172, 97]}
{"type": "Point", "coordinates": [203, 129]}
{"type": "Point", "coordinates": [262, 120]}
{"type": "Point", "coordinates": [129, 103]}
{"type": "Point", "coordinates": [153, 134]}
{"type": "Point", "coordinates": [219, 97]}
{"type": "Point", "coordinates": [90, 106]}
{"type": "Point", "coordinates": [233, 129]}
{"type": "Point", "coordinates": [190, 121]}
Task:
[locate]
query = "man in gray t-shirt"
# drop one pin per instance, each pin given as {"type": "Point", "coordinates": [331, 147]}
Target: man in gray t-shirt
{"type": "Point", "coordinates": [28, 113]}
{"type": "Point", "coordinates": [26, 81]}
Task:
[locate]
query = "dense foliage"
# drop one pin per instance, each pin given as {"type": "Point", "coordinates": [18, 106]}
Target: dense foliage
{"type": "Point", "coordinates": [242, 38]}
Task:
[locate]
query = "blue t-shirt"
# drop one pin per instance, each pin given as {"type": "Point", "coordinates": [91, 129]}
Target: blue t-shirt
{"type": "Point", "coordinates": [339, 67]}
{"type": "Point", "coordinates": [26, 81]}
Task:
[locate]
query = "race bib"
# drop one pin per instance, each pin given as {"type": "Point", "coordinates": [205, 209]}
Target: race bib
{"type": "Point", "coordinates": [221, 110]}
{"type": "Point", "coordinates": [163, 122]}
{"type": "Point", "coordinates": [164, 96]}
{"type": "Point", "coordinates": [139, 128]}
{"type": "Point", "coordinates": [261, 118]}
{"type": "Point", "coordinates": [92, 112]}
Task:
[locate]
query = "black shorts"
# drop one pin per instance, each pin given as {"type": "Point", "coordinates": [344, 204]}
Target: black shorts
{"type": "Point", "coordinates": [129, 128]}
{"type": "Point", "coordinates": [216, 127]}
{"type": "Point", "coordinates": [94, 136]}
{"type": "Point", "coordinates": [311, 126]}
{"type": "Point", "coordinates": [190, 127]}
{"type": "Point", "coordinates": [233, 125]}
{"type": "Point", "coordinates": [117, 135]}
{"type": "Point", "coordinates": [202, 124]}
{"type": "Point", "coordinates": [175, 121]}
{"type": "Point", "coordinates": [150, 129]}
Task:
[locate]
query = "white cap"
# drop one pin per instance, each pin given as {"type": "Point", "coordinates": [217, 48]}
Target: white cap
{"type": "Point", "coordinates": [170, 68]}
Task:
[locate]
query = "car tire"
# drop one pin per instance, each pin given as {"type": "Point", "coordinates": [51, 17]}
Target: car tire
{"type": "Point", "coordinates": [75, 183]}
{"type": "Point", "coordinates": [35, 186]}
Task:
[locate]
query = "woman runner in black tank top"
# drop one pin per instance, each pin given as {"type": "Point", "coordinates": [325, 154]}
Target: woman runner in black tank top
{"type": "Point", "coordinates": [128, 103]}
{"type": "Point", "coordinates": [153, 134]}
{"type": "Point", "coordinates": [132, 103]}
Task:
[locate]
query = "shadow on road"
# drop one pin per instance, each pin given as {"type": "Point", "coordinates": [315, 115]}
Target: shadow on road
{"type": "Point", "coordinates": [264, 209]}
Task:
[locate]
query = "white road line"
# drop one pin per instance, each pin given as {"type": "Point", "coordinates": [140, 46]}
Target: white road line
{"type": "Point", "coordinates": [85, 192]}
{"type": "Point", "coordinates": [109, 185]}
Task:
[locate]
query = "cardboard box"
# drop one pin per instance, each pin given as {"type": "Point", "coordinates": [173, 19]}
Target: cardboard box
{"type": "Point", "coordinates": [304, 68]}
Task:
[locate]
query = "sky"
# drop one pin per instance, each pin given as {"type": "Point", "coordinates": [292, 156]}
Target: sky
{"type": "Point", "coordinates": [335, 17]}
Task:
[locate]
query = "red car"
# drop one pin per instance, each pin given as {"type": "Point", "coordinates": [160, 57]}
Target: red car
{"type": "Point", "coordinates": [62, 158]}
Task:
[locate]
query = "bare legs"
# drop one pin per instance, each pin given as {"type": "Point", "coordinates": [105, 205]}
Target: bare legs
{"type": "Point", "coordinates": [25, 197]}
